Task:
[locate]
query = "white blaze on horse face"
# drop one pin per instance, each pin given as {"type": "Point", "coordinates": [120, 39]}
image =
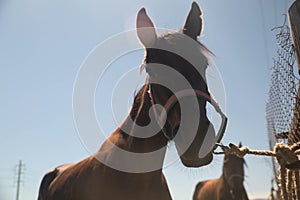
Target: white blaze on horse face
{"type": "Point", "coordinates": [145, 28]}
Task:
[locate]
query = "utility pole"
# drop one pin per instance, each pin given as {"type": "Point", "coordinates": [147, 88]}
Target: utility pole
{"type": "Point", "coordinates": [294, 18]}
{"type": "Point", "coordinates": [19, 179]}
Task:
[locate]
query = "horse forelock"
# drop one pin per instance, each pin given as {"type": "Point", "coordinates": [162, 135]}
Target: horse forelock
{"type": "Point", "coordinates": [173, 39]}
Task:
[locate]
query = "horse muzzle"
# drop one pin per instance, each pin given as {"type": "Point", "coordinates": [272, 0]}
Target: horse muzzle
{"type": "Point", "coordinates": [195, 163]}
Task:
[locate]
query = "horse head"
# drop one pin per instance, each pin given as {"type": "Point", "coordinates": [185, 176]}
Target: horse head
{"type": "Point", "coordinates": [233, 172]}
{"type": "Point", "coordinates": [176, 64]}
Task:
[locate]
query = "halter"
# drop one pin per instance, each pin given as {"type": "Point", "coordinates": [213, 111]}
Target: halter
{"type": "Point", "coordinates": [175, 98]}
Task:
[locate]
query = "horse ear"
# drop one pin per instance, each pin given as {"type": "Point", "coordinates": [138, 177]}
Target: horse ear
{"type": "Point", "coordinates": [193, 22]}
{"type": "Point", "coordinates": [240, 145]}
{"type": "Point", "coordinates": [145, 28]}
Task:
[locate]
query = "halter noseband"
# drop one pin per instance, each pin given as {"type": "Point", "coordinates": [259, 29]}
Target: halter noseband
{"type": "Point", "coordinates": [175, 98]}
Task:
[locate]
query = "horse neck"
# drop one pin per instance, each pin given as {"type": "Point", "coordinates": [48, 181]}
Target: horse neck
{"type": "Point", "coordinates": [129, 137]}
{"type": "Point", "coordinates": [142, 140]}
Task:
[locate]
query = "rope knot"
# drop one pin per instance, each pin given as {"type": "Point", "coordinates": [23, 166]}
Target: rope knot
{"type": "Point", "coordinates": [286, 156]}
{"type": "Point", "coordinates": [239, 151]}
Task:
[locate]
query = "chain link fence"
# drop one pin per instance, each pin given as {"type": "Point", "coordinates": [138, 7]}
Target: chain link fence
{"type": "Point", "coordinates": [282, 108]}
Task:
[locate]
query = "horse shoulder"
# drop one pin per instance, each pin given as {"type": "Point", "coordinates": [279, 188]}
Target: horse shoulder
{"type": "Point", "coordinates": [60, 178]}
{"type": "Point", "coordinates": [203, 189]}
{"type": "Point", "coordinates": [208, 189]}
{"type": "Point", "coordinates": [48, 179]}
{"type": "Point", "coordinates": [197, 189]}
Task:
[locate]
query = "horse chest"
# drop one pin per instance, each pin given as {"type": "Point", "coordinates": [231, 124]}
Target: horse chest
{"type": "Point", "coordinates": [112, 184]}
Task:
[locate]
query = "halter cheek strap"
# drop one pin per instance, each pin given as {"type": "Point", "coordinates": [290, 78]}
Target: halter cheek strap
{"type": "Point", "coordinates": [175, 98]}
{"type": "Point", "coordinates": [158, 117]}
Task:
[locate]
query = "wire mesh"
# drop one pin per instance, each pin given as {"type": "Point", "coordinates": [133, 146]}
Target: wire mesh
{"type": "Point", "coordinates": [283, 88]}
{"type": "Point", "coordinates": [282, 108]}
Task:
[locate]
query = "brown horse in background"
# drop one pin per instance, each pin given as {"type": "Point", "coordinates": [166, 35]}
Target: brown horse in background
{"type": "Point", "coordinates": [229, 186]}
{"type": "Point", "coordinates": [91, 179]}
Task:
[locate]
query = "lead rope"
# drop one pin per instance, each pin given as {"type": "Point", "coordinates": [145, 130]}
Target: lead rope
{"type": "Point", "coordinates": [287, 159]}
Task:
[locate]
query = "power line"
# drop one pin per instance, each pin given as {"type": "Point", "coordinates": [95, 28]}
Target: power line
{"type": "Point", "coordinates": [19, 179]}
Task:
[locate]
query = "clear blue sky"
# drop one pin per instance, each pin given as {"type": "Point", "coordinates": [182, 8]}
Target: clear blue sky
{"type": "Point", "coordinates": [43, 43]}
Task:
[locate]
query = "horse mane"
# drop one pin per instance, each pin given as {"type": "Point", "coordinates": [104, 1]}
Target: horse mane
{"type": "Point", "coordinates": [173, 36]}
{"type": "Point", "coordinates": [141, 101]}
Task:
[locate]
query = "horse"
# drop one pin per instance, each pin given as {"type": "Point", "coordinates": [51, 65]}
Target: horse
{"type": "Point", "coordinates": [229, 186]}
{"type": "Point", "coordinates": [93, 179]}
